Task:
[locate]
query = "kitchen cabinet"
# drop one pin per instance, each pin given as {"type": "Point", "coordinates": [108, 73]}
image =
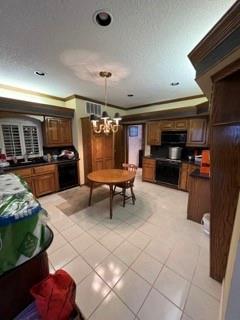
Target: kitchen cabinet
{"type": "Point", "coordinates": [98, 149]}
{"type": "Point", "coordinates": [176, 125]}
{"type": "Point", "coordinates": [41, 180]}
{"type": "Point", "coordinates": [57, 132]}
{"type": "Point", "coordinates": [167, 125]}
{"type": "Point", "coordinates": [199, 196]}
{"type": "Point", "coordinates": [185, 171]}
{"type": "Point", "coordinates": [154, 133]}
{"type": "Point", "coordinates": [197, 132]}
{"type": "Point", "coordinates": [149, 169]}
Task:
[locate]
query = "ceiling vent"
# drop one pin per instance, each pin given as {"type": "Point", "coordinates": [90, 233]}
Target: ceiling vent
{"type": "Point", "coordinates": [93, 108]}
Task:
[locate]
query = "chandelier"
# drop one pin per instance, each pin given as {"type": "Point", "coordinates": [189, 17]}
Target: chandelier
{"type": "Point", "coordinates": [105, 124]}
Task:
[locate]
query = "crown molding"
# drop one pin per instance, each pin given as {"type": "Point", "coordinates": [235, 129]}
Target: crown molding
{"type": "Point", "coordinates": [221, 30]}
{"type": "Point", "coordinates": [76, 96]}
{"type": "Point", "coordinates": [33, 93]}
{"type": "Point", "coordinates": [166, 101]}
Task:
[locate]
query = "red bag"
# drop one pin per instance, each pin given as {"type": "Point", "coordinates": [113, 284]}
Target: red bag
{"type": "Point", "coordinates": [55, 296]}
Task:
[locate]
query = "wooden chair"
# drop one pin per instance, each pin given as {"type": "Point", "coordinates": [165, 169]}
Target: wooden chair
{"type": "Point", "coordinates": [126, 185]}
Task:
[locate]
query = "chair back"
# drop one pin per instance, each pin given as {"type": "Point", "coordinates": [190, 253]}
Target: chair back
{"type": "Point", "coordinates": [129, 167]}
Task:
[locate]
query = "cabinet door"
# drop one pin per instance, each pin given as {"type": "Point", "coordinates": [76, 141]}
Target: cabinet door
{"type": "Point", "coordinates": [52, 133]}
{"type": "Point", "coordinates": [108, 152]}
{"type": "Point", "coordinates": [149, 170]}
{"type": "Point", "coordinates": [183, 177]}
{"type": "Point", "coordinates": [191, 168]}
{"type": "Point", "coordinates": [30, 184]}
{"type": "Point", "coordinates": [44, 184]}
{"type": "Point", "coordinates": [197, 132]}
{"type": "Point", "coordinates": [102, 152]}
{"type": "Point", "coordinates": [65, 127]}
{"type": "Point", "coordinates": [181, 124]}
{"type": "Point", "coordinates": [153, 133]}
{"type": "Point", "coordinates": [168, 125]}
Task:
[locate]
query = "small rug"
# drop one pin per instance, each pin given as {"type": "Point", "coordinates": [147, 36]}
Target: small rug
{"type": "Point", "coordinates": [76, 199]}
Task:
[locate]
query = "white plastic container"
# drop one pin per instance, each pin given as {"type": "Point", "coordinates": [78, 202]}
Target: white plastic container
{"type": "Point", "coordinates": [206, 223]}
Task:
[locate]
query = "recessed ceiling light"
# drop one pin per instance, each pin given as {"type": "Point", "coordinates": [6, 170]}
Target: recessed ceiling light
{"type": "Point", "coordinates": [130, 95]}
{"type": "Point", "coordinates": [40, 73]}
{"type": "Point", "coordinates": [102, 18]}
{"type": "Point", "coordinates": [174, 84]}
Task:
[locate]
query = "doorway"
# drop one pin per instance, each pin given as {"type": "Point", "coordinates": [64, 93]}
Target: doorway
{"type": "Point", "coordinates": [135, 143]}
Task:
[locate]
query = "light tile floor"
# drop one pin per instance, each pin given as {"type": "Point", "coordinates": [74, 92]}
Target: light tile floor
{"type": "Point", "coordinates": [148, 262]}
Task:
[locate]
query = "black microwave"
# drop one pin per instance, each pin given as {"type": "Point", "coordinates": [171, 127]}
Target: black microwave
{"type": "Point", "coordinates": [174, 137]}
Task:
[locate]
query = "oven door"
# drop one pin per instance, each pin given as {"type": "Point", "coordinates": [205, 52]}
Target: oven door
{"type": "Point", "coordinates": [167, 172]}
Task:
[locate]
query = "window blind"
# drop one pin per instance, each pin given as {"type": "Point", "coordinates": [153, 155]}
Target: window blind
{"type": "Point", "coordinates": [30, 134]}
{"type": "Point", "coordinates": [11, 137]}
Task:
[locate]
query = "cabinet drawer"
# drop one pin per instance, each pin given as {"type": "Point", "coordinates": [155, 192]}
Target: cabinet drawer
{"type": "Point", "coordinates": [149, 162]}
{"type": "Point", "coordinates": [23, 172]}
{"type": "Point", "coordinates": [44, 169]}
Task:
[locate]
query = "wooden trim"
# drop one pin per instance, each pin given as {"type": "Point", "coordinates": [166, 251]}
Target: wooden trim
{"type": "Point", "coordinates": [76, 96]}
{"type": "Point", "coordinates": [166, 101]}
{"type": "Point", "coordinates": [26, 107]}
{"type": "Point", "coordinates": [222, 29]}
{"type": "Point", "coordinates": [186, 112]}
{"type": "Point", "coordinates": [228, 70]}
{"type": "Point", "coordinates": [34, 93]}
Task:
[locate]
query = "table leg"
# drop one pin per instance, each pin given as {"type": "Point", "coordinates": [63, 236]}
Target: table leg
{"type": "Point", "coordinates": [111, 198]}
{"type": "Point", "coordinates": [90, 194]}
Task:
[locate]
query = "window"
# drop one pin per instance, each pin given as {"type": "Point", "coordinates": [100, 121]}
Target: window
{"type": "Point", "coordinates": [31, 139]}
{"type": "Point", "coordinates": [20, 137]}
{"type": "Point", "coordinates": [133, 131]}
{"type": "Point", "coordinates": [11, 137]}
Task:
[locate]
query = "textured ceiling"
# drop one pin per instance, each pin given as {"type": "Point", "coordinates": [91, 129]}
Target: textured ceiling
{"type": "Point", "coordinates": [145, 47]}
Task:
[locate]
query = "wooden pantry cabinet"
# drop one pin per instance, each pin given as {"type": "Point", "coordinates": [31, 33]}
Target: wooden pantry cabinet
{"type": "Point", "coordinates": [149, 170]}
{"type": "Point", "coordinates": [98, 149]}
{"type": "Point", "coordinates": [41, 180]}
{"type": "Point", "coordinates": [57, 132]}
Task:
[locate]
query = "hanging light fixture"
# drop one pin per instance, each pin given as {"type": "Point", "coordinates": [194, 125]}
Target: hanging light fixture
{"type": "Point", "coordinates": [105, 124]}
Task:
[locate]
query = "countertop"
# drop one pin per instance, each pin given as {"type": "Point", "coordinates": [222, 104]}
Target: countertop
{"type": "Point", "coordinates": [197, 174]}
{"type": "Point", "coordinates": [36, 164]}
{"type": "Point", "coordinates": [182, 161]}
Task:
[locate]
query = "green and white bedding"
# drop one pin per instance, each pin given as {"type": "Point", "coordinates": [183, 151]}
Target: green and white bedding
{"type": "Point", "coordinates": [22, 227]}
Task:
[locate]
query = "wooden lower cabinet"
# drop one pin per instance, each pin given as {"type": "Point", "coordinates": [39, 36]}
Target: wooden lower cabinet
{"type": "Point", "coordinates": [185, 171]}
{"type": "Point", "coordinates": [41, 180]}
{"type": "Point", "coordinates": [199, 198]}
{"type": "Point", "coordinates": [149, 170]}
{"type": "Point", "coordinates": [44, 184]}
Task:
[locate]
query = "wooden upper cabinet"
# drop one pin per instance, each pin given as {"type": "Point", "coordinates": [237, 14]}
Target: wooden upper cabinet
{"type": "Point", "coordinates": [167, 125]}
{"type": "Point", "coordinates": [197, 132]}
{"type": "Point", "coordinates": [66, 131]}
{"type": "Point", "coordinates": [154, 133]}
{"type": "Point", "coordinates": [181, 124]}
{"type": "Point", "coordinates": [57, 132]}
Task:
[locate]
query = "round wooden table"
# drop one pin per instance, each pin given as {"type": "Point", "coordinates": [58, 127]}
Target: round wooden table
{"type": "Point", "coordinates": [109, 177]}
